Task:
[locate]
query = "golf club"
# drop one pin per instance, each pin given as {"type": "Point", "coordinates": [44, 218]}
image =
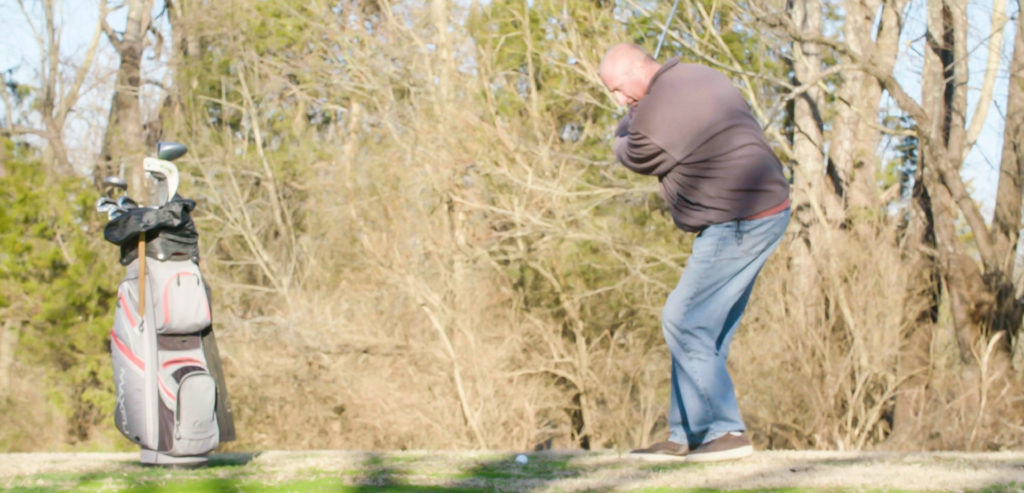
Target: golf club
{"type": "Point", "coordinates": [169, 151]}
{"type": "Point", "coordinates": [111, 183]}
{"type": "Point", "coordinates": [126, 202]}
{"type": "Point", "coordinates": [163, 171]}
{"type": "Point", "coordinates": [664, 31]}
{"type": "Point", "coordinates": [106, 205]}
{"type": "Point", "coordinates": [165, 179]}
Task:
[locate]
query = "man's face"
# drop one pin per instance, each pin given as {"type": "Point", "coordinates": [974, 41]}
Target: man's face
{"type": "Point", "coordinates": [624, 82]}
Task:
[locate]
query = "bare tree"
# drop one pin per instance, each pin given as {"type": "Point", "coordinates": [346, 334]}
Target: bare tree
{"type": "Point", "coordinates": [56, 96]}
{"type": "Point", "coordinates": [936, 253]}
{"type": "Point", "coordinates": [943, 133]}
{"type": "Point", "coordinates": [984, 308]}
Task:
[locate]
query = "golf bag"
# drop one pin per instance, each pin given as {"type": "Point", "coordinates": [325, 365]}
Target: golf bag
{"type": "Point", "coordinates": [171, 396]}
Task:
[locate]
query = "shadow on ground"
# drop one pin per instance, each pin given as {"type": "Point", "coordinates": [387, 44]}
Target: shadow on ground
{"type": "Point", "coordinates": [543, 471]}
{"type": "Point", "coordinates": [223, 473]}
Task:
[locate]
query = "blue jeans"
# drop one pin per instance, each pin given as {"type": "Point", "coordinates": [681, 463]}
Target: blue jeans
{"type": "Point", "coordinates": [700, 318]}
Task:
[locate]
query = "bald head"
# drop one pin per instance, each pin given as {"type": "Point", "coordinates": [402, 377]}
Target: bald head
{"type": "Point", "coordinates": [626, 71]}
{"type": "Point", "coordinates": [623, 56]}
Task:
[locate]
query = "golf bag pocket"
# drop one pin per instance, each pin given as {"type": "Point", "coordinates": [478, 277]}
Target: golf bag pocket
{"type": "Point", "coordinates": [189, 393]}
{"type": "Point", "coordinates": [126, 313]}
{"type": "Point", "coordinates": [180, 303]}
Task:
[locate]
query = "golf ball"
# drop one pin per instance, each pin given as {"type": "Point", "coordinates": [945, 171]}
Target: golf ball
{"type": "Point", "coordinates": [522, 459]}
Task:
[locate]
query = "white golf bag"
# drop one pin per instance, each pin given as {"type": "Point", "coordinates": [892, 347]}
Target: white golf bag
{"type": "Point", "coordinates": [166, 395]}
{"type": "Point", "coordinates": [171, 396]}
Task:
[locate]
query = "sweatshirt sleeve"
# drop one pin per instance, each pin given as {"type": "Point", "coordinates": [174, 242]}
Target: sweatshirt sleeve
{"type": "Point", "coordinates": [637, 151]}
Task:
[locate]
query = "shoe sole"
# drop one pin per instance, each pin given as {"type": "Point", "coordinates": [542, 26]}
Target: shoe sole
{"type": "Point", "coordinates": [657, 457]}
{"type": "Point", "coordinates": [731, 454]}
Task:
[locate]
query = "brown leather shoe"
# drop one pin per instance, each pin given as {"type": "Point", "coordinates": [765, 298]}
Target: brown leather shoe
{"type": "Point", "coordinates": [731, 446]}
{"type": "Point", "coordinates": [661, 451]}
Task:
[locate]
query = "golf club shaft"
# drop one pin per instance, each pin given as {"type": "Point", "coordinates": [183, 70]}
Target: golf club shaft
{"type": "Point", "coordinates": [664, 31]}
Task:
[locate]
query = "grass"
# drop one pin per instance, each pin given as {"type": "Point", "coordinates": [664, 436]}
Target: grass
{"type": "Point", "coordinates": [398, 472]}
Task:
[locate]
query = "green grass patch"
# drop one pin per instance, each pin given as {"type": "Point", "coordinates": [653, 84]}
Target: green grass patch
{"type": "Point", "coordinates": [670, 466]}
{"type": "Point", "coordinates": [1002, 488]}
{"type": "Point", "coordinates": [507, 468]}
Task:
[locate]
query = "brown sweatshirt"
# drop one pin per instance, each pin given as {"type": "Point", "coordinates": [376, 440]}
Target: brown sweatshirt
{"type": "Point", "coordinates": [695, 132]}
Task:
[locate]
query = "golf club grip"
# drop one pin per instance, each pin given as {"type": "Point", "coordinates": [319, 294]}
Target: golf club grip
{"type": "Point", "coordinates": [142, 276]}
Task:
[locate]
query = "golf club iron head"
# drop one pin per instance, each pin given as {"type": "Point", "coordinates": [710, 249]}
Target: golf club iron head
{"type": "Point", "coordinates": [109, 206]}
{"type": "Point", "coordinates": [126, 202]}
{"type": "Point", "coordinates": [105, 201]}
{"type": "Point", "coordinates": [115, 182]}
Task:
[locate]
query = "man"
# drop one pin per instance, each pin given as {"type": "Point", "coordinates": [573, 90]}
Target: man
{"type": "Point", "coordinates": [689, 126]}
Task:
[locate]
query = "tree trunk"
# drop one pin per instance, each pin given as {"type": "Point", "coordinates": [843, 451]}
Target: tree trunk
{"type": "Point", "coordinates": [1006, 223]}
{"type": "Point", "coordinates": [856, 133]}
{"type": "Point", "coordinates": [49, 98]}
{"type": "Point", "coordinates": [946, 75]}
{"type": "Point", "coordinates": [807, 118]}
{"type": "Point", "coordinates": [854, 99]}
{"type": "Point", "coordinates": [913, 366]}
{"type": "Point", "coordinates": [931, 239]}
{"type": "Point", "coordinates": [811, 191]}
{"type": "Point", "coordinates": [124, 142]}
{"type": "Point", "coordinates": [179, 12]}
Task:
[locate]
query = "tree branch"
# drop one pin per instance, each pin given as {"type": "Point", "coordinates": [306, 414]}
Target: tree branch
{"type": "Point", "coordinates": [954, 183]}
{"type": "Point", "coordinates": [112, 35]}
{"type": "Point", "coordinates": [52, 57]}
{"type": "Point", "coordinates": [28, 20]}
{"type": "Point", "coordinates": [995, 45]}
{"type": "Point", "coordinates": [13, 130]}
{"type": "Point", "coordinates": [903, 100]}
{"type": "Point", "coordinates": [70, 97]}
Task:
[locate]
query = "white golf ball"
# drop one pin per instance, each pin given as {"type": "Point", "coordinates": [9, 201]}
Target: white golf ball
{"type": "Point", "coordinates": [522, 459]}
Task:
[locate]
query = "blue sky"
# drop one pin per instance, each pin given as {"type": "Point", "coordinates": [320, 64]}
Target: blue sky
{"type": "Point", "coordinates": [18, 51]}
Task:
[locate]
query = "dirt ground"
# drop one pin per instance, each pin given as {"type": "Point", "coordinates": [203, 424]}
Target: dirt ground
{"type": "Point", "coordinates": [548, 471]}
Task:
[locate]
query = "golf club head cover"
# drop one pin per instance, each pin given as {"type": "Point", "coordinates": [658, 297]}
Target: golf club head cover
{"type": "Point", "coordinates": [169, 229]}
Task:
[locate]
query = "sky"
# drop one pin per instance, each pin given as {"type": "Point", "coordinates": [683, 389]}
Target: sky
{"type": "Point", "coordinates": [19, 53]}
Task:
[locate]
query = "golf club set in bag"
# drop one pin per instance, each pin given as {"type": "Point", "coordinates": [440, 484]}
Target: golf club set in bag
{"type": "Point", "coordinates": [171, 396]}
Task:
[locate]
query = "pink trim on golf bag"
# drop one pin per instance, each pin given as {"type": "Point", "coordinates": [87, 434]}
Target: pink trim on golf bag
{"type": "Point", "coordinates": [170, 395]}
{"type": "Point", "coordinates": [127, 352]}
{"type": "Point", "coordinates": [179, 361]}
{"type": "Point", "coordinates": [127, 311]}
